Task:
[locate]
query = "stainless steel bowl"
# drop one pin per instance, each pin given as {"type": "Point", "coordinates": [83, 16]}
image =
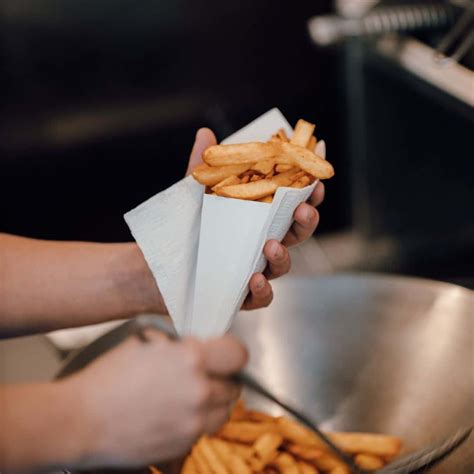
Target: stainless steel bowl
{"type": "Point", "coordinates": [370, 353]}
{"type": "Point", "coordinates": [363, 353]}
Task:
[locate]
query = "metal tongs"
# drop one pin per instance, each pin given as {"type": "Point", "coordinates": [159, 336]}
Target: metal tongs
{"type": "Point", "coordinates": [411, 463]}
{"type": "Point", "coordinates": [461, 33]}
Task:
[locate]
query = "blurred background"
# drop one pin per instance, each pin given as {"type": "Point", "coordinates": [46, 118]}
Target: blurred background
{"type": "Point", "coordinates": [100, 101]}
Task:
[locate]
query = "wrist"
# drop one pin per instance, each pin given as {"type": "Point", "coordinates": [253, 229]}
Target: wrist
{"type": "Point", "coordinates": [86, 420]}
{"type": "Point", "coordinates": [138, 285]}
{"type": "Point", "coordinates": [43, 427]}
{"type": "Point", "coordinates": [76, 424]}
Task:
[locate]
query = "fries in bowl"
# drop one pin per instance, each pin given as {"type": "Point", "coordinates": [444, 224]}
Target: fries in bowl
{"type": "Point", "coordinates": [254, 442]}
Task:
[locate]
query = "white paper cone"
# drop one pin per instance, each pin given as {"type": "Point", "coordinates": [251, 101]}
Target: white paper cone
{"type": "Point", "coordinates": [231, 230]}
{"type": "Point", "coordinates": [204, 250]}
{"type": "Point", "coordinates": [166, 228]}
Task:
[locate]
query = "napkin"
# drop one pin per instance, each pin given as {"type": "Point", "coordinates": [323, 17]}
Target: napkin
{"type": "Point", "coordinates": [203, 249]}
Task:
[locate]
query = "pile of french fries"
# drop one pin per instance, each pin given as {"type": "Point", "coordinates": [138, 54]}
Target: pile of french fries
{"type": "Point", "coordinates": [254, 171]}
{"type": "Point", "coordinates": [255, 442]}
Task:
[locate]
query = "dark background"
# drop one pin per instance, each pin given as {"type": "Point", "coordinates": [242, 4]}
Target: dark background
{"type": "Point", "coordinates": [101, 101]}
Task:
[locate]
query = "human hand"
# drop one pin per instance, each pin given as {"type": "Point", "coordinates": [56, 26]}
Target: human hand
{"type": "Point", "coordinates": [148, 402]}
{"type": "Point", "coordinates": [306, 220]}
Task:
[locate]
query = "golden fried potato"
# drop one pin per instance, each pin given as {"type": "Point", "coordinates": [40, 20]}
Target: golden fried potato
{"type": "Point", "coordinates": [368, 443]}
{"type": "Point", "coordinates": [258, 189]}
{"type": "Point", "coordinates": [303, 133]}
{"type": "Point", "coordinates": [211, 175]}
{"type": "Point", "coordinates": [264, 166]}
{"type": "Point", "coordinates": [229, 181]}
{"type": "Point", "coordinates": [369, 461]}
{"type": "Point", "coordinates": [245, 431]}
{"type": "Point", "coordinates": [265, 450]}
{"type": "Point", "coordinates": [221, 155]}
{"type": "Point", "coordinates": [312, 143]}
{"type": "Point", "coordinates": [286, 464]}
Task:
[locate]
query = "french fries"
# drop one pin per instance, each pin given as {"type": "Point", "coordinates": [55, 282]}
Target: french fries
{"type": "Point", "coordinates": [264, 166]}
{"type": "Point", "coordinates": [253, 442]}
{"type": "Point", "coordinates": [209, 452]}
{"type": "Point", "coordinates": [229, 181]}
{"type": "Point", "coordinates": [265, 450]}
{"type": "Point", "coordinates": [282, 135]}
{"type": "Point", "coordinates": [301, 182]}
{"type": "Point", "coordinates": [368, 443]}
{"type": "Point", "coordinates": [283, 168]}
{"type": "Point", "coordinates": [306, 468]}
{"type": "Point", "coordinates": [211, 175]}
{"type": "Point", "coordinates": [306, 160]}
{"type": "Point", "coordinates": [303, 133]}
{"type": "Point", "coordinates": [188, 467]}
{"type": "Point", "coordinates": [245, 431]}
{"type": "Point", "coordinates": [254, 171]}
{"type": "Point", "coordinates": [259, 189]}
{"type": "Point", "coordinates": [225, 155]}
{"type": "Point", "coordinates": [368, 461]}
{"type": "Point", "coordinates": [286, 464]}
{"type": "Point", "coordinates": [312, 144]}
{"type": "Point", "coordinates": [154, 470]}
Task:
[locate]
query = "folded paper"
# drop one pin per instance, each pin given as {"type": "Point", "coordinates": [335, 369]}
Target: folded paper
{"type": "Point", "coordinates": [203, 249]}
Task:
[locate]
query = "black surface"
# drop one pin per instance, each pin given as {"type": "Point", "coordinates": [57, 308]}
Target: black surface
{"type": "Point", "coordinates": [223, 64]}
{"type": "Point", "coordinates": [182, 65]}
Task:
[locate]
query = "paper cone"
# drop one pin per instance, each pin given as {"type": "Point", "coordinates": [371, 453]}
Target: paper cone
{"type": "Point", "coordinates": [203, 249]}
{"type": "Point", "coordinates": [166, 228]}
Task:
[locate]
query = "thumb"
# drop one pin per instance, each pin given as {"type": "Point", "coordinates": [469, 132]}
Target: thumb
{"type": "Point", "coordinates": [204, 139]}
{"type": "Point", "coordinates": [224, 356]}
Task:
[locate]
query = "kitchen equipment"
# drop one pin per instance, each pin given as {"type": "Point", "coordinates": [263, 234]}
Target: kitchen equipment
{"type": "Point", "coordinates": [413, 462]}
{"type": "Point", "coordinates": [330, 29]}
{"type": "Point", "coordinates": [363, 352]}
{"type": "Point", "coordinates": [407, 72]}
{"type": "Point", "coordinates": [246, 380]}
{"type": "Point", "coordinates": [462, 29]}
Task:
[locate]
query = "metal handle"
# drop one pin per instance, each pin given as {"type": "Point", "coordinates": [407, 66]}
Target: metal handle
{"type": "Point", "coordinates": [463, 24]}
{"type": "Point", "coordinates": [248, 381]}
{"type": "Point", "coordinates": [329, 29]}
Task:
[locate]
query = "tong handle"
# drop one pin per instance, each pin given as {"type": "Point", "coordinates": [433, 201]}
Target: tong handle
{"type": "Point", "coordinates": [456, 32]}
{"type": "Point", "coordinates": [147, 321]}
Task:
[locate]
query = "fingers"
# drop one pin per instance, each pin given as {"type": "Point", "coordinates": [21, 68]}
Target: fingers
{"type": "Point", "coordinates": [278, 257]}
{"type": "Point", "coordinates": [306, 221]}
{"type": "Point", "coordinates": [216, 418]}
{"type": "Point", "coordinates": [261, 293]}
{"type": "Point", "coordinates": [204, 139]}
{"type": "Point", "coordinates": [317, 196]}
{"type": "Point", "coordinates": [223, 356]}
{"type": "Point", "coordinates": [223, 392]}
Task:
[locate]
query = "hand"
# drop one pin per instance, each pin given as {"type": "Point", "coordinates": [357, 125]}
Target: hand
{"type": "Point", "coordinates": [306, 220]}
{"type": "Point", "coordinates": [149, 402]}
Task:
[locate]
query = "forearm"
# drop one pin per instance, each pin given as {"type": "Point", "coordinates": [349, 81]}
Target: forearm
{"type": "Point", "coordinates": [44, 427]}
{"type": "Point", "coordinates": [51, 285]}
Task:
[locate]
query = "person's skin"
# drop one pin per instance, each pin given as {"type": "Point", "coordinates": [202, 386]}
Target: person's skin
{"type": "Point", "coordinates": [138, 403]}
{"type": "Point", "coordinates": [48, 285]}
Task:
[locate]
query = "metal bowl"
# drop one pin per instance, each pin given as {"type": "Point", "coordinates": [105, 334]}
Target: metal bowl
{"type": "Point", "coordinates": [363, 353]}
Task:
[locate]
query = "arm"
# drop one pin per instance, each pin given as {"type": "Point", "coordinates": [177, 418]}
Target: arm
{"type": "Point", "coordinates": [123, 410]}
{"type": "Point", "coordinates": [51, 285]}
{"type": "Point", "coordinates": [47, 433]}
